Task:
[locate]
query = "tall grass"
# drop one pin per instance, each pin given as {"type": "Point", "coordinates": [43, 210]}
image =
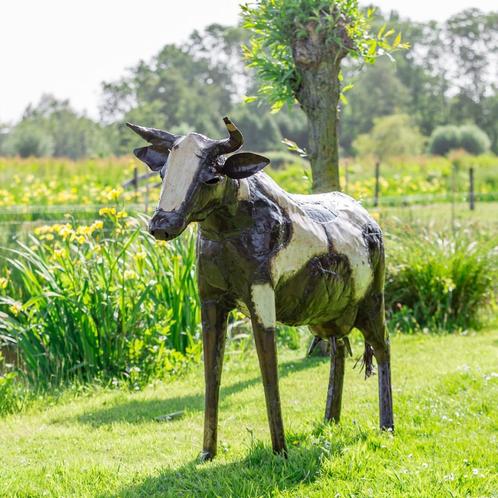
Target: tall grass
{"type": "Point", "coordinates": [440, 281]}
{"type": "Point", "coordinates": [102, 300]}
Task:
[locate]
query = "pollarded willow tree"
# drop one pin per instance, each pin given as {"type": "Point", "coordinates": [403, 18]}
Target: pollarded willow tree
{"type": "Point", "coordinates": [296, 48]}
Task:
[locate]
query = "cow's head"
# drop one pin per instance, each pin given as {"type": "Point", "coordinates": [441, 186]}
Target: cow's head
{"type": "Point", "coordinates": [194, 171]}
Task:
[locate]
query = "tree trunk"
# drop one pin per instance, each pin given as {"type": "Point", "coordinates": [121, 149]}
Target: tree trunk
{"type": "Point", "coordinates": [318, 93]}
{"type": "Point", "coordinates": [320, 106]}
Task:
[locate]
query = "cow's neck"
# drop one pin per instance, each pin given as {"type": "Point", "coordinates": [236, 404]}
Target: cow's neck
{"type": "Point", "coordinates": [233, 216]}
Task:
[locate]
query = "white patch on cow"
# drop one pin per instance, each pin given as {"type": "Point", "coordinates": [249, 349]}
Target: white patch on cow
{"type": "Point", "coordinates": [244, 193]}
{"type": "Point", "coordinates": [181, 168]}
{"type": "Point", "coordinates": [263, 299]}
{"type": "Point", "coordinates": [309, 238]}
{"type": "Point", "coordinates": [347, 238]}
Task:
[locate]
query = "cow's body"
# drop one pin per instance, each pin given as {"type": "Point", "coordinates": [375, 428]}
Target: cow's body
{"type": "Point", "coordinates": [314, 260]}
{"type": "Point", "coordinates": [318, 253]}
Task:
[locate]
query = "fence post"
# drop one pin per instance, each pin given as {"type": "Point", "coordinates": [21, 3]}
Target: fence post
{"type": "Point", "coordinates": [471, 189]}
{"type": "Point", "coordinates": [453, 190]}
{"type": "Point", "coordinates": [146, 197]}
{"type": "Point", "coordinates": [135, 181]}
{"type": "Point", "coordinates": [377, 184]}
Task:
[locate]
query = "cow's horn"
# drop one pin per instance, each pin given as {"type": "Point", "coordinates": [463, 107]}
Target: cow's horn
{"type": "Point", "coordinates": [153, 135]}
{"type": "Point", "coordinates": [233, 142]}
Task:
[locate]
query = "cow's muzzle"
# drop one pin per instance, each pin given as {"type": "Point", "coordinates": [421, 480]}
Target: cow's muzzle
{"type": "Point", "coordinates": [166, 225]}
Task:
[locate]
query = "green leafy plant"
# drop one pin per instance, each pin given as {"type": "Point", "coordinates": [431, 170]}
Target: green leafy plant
{"type": "Point", "coordinates": [440, 282]}
{"type": "Point", "coordinates": [12, 393]}
{"type": "Point", "coordinates": [277, 25]}
{"type": "Point", "coordinates": [101, 300]}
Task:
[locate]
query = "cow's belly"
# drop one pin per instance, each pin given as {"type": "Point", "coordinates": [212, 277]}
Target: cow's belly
{"type": "Point", "coordinates": [318, 293]}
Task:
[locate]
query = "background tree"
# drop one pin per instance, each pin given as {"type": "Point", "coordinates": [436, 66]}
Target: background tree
{"type": "Point", "coordinates": [53, 128]}
{"type": "Point", "coordinates": [377, 92]}
{"type": "Point", "coordinates": [183, 87]}
{"type": "Point", "coordinates": [296, 48]}
{"type": "Point", "coordinates": [446, 78]}
{"type": "Point", "coordinates": [390, 136]}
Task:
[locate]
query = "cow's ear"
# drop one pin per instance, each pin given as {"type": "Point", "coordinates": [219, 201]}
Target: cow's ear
{"type": "Point", "coordinates": [244, 164]}
{"type": "Point", "coordinates": [154, 156]}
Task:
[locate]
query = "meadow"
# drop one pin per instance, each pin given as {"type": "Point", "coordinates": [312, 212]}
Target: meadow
{"type": "Point", "coordinates": [102, 442]}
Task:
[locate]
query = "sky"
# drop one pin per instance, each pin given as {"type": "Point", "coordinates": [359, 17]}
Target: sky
{"type": "Point", "coordinates": [68, 48]}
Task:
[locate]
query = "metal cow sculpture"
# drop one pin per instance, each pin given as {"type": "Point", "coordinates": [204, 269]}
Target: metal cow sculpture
{"type": "Point", "coordinates": [314, 260]}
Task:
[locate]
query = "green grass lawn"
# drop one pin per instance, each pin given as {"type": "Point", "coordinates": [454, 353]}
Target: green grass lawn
{"type": "Point", "coordinates": [441, 216]}
{"type": "Point", "coordinates": [108, 443]}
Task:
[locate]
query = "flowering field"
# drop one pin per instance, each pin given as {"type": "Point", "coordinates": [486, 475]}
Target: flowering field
{"type": "Point", "coordinates": [33, 185]}
{"type": "Point", "coordinates": [406, 180]}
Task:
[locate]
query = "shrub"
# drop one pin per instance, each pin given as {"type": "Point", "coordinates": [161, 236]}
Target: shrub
{"type": "Point", "coordinates": [469, 137]}
{"type": "Point", "coordinates": [474, 140]}
{"type": "Point", "coordinates": [439, 282]}
{"type": "Point", "coordinates": [444, 139]}
{"type": "Point", "coordinates": [104, 300]}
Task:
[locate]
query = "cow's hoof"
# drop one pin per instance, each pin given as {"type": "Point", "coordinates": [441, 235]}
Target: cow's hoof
{"type": "Point", "coordinates": [206, 456]}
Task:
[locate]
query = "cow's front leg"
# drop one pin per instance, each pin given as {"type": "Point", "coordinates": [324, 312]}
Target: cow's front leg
{"type": "Point", "coordinates": [263, 318]}
{"type": "Point", "coordinates": [214, 328]}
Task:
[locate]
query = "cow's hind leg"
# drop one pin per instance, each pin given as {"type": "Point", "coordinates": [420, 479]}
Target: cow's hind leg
{"type": "Point", "coordinates": [336, 379]}
{"type": "Point", "coordinates": [372, 324]}
{"type": "Point", "coordinates": [339, 349]}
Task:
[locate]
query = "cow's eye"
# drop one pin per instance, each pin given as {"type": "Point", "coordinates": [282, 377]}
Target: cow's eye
{"type": "Point", "coordinates": [213, 180]}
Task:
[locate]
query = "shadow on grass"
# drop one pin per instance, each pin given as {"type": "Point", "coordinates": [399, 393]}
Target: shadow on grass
{"type": "Point", "coordinates": [139, 411]}
{"type": "Point", "coordinates": [260, 473]}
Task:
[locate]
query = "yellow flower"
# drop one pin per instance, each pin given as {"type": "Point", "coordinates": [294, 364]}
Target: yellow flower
{"type": "Point", "coordinates": [106, 211]}
{"type": "Point", "coordinates": [98, 225]}
{"type": "Point", "coordinates": [114, 194]}
{"type": "Point", "coordinates": [140, 256]}
{"type": "Point", "coordinates": [130, 275]}
{"type": "Point", "coordinates": [84, 230]}
{"type": "Point", "coordinates": [42, 230]}
{"type": "Point", "coordinates": [121, 214]}
{"type": "Point", "coordinates": [66, 232]}
{"type": "Point", "coordinates": [3, 283]}
{"type": "Point", "coordinates": [15, 309]}
{"type": "Point", "coordinates": [81, 239]}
